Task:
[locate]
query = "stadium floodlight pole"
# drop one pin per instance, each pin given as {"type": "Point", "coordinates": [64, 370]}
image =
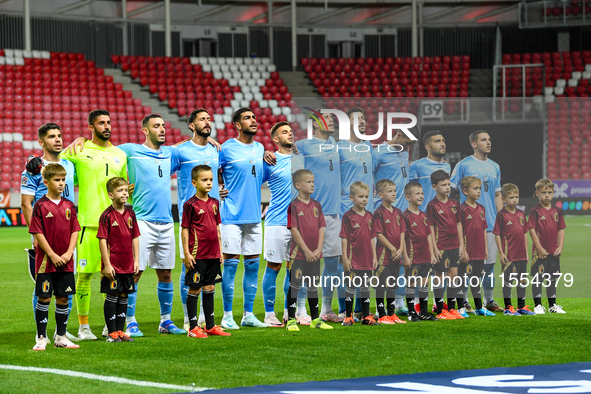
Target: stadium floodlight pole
{"type": "Point", "coordinates": [124, 31]}
{"type": "Point", "coordinates": [294, 36]}
{"type": "Point", "coordinates": [167, 32]}
{"type": "Point", "coordinates": [27, 24]}
{"type": "Point", "coordinates": [414, 30]}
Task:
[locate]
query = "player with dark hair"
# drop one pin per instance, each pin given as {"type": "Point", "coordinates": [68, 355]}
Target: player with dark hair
{"type": "Point", "coordinates": [118, 240]}
{"type": "Point", "coordinates": [100, 162]}
{"type": "Point", "coordinates": [201, 240]}
{"type": "Point", "coordinates": [241, 160]}
{"type": "Point", "coordinates": [448, 243]}
{"type": "Point", "coordinates": [489, 173]}
{"type": "Point", "coordinates": [418, 256]}
{"type": "Point", "coordinates": [55, 227]}
{"type": "Point", "coordinates": [33, 188]}
{"type": "Point", "coordinates": [421, 170]}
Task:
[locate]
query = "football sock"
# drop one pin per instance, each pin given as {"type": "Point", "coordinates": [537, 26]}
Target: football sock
{"type": "Point", "coordinates": [285, 287]}
{"type": "Point", "coordinates": [313, 303]}
{"type": "Point", "coordinates": [131, 302]}
{"type": "Point", "coordinates": [507, 301]}
{"type": "Point", "coordinates": [208, 309]}
{"type": "Point", "coordinates": [192, 309]}
{"type": "Point", "coordinates": [380, 302]}
{"type": "Point", "coordinates": [452, 294]}
{"type": "Point", "coordinates": [83, 297]}
{"type": "Point", "coordinates": [536, 290]}
{"type": "Point", "coordinates": [331, 265]}
{"type": "Point", "coordinates": [423, 298]}
{"type": "Point", "coordinates": [121, 313]}
{"type": "Point", "coordinates": [70, 298]}
{"type": "Point", "coordinates": [184, 290]}
{"type": "Point", "coordinates": [477, 294]}
{"type": "Point", "coordinates": [41, 316]}
{"type": "Point", "coordinates": [521, 296]}
{"type": "Point", "coordinates": [269, 289]}
{"type": "Point", "coordinates": [230, 266]}
{"type": "Point", "coordinates": [399, 300]}
{"type": "Point", "coordinates": [391, 301]}
{"type": "Point", "coordinates": [110, 311]}
{"type": "Point", "coordinates": [250, 282]}
{"type": "Point", "coordinates": [61, 318]}
{"type": "Point", "coordinates": [301, 309]}
{"type": "Point", "coordinates": [165, 295]}
{"type": "Point", "coordinates": [410, 298]}
{"type": "Point", "coordinates": [438, 292]}
{"type": "Point", "coordinates": [292, 301]}
{"type": "Point", "coordinates": [551, 294]}
{"type": "Point", "coordinates": [350, 296]}
{"type": "Point", "coordinates": [365, 302]}
{"type": "Point", "coordinates": [358, 303]}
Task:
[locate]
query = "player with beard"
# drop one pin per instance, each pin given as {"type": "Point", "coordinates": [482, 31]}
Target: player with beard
{"type": "Point", "coordinates": [100, 162]}
{"type": "Point", "coordinates": [489, 173]}
{"type": "Point", "coordinates": [241, 160]}
{"type": "Point", "coordinates": [33, 188]}
{"type": "Point", "coordinates": [391, 161]}
{"type": "Point", "coordinates": [421, 170]}
{"type": "Point", "coordinates": [321, 157]}
{"type": "Point", "coordinates": [186, 156]}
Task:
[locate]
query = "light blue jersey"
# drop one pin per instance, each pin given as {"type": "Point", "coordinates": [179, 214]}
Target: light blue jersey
{"type": "Point", "coordinates": [322, 158]}
{"type": "Point", "coordinates": [278, 177]}
{"type": "Point", "coordinates": [185, 157]}
{"type": "Point", "coordinates": [421, 170]}
{"type": "Point", "coordinates": [356, 165]}
{"type": "Point", "coordinates": [32, 185]}
{"type": "Point", "coordinates": [392, 165]}
{"type": "Point", "coordinates": [149, 171]}
{"type": "Point", "coordinates": [297, 163]}
{"type": "Point", "coordinates": [242, 170]}
{"type": "Point", "coordinates": [489, 173]}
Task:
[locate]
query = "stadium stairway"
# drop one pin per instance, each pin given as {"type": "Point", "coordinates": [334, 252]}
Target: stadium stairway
{"type": "Point", "coordinates": [143, 93]}
{"type": "Point", "coordinates": [298, 84]}
{"type": "Point", "coordinates": [480, 83]}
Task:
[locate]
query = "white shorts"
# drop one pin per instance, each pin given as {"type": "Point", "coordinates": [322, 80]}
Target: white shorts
{"type": "Point", "coordinates": [157, 249]}
{"type": "Point", "coordinates": [242, 239]}
{"type": "Point", "coordinates": [276, 245]}
{"type": "Point", "coordinates": [492, 248]}
{"type": "Point", "coordinates": [332, 242]}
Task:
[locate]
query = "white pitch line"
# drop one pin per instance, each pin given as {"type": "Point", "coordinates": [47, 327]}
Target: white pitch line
{"type": "Point", "coordinates": [102, 378]}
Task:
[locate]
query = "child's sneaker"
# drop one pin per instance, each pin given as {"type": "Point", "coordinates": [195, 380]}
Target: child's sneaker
{"type": "Point", "coordinates": [133, 330]}
{"type": "Point", "coordinates": [113, 337]}
{"type": "Point", "coordinates": [493, 307]}
{"type": "Point", "coordinates": [385, 320]}
{"type": "Point", "coordinates": [413, 316]}
{"type": "Point", "coordinates": [41, 343]}
{"type": "Point", "coordinates": [331, 316]}
{"type": "Point", "coordinates": [369, 321]}
{"type": "Point", "coordinates": [525, 311]}
{"type": "Point", "coordinates": [303, 320]}
{"type": "Point", "coordinates": [228, 323]}
{"type": "Point", "coordinates": [396, 320]}
{"type": "Point", "coordinates": [463, 312]}
{"type": "Point", "coordinates": [197, 332]}
{"type": "Point", "coordinates": [292, 325]}
{"type": "Point", "coordinates": [63, 341]}
{"type": "Point", "coordinates": [186, 326]}
{"type": "Point", "coordinates": [168, 327]}
{"type": "Point", "coordinates": [84, 334]}
{"type": "Point", "coordinates": [427, 316]}
{"type": "Point", "coordinates": [468, 307]}
{"type": "Point", "coordinates": [124, 337]}
{"type": "Point", "coordinates": [217, 330]}
{"type": "Point", "coordinates": [348, 322]}
{"type": "Point", "coordinates": [484, 312]}
{"type": "Point", "coordinates": [457, 314]}
{"type": "Point", "coordinates": [556, 309]}
{"type": "Point", "coordinates": [105, 331]}
{"type": "Point", "coordinates": [539, 310]}
{"type": "Point", "coordinates": [510, 311]}
{"type": "Point", "coordinates": [446, 315]}
{"type": "Point", "coordinates": [402, 311]}
{"type": "Point", "coordinates": [318, 323]}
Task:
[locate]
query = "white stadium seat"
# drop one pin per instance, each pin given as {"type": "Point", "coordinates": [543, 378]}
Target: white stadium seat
{"type": "Point", "coordinates": [244, 103]}
{"type": "Point", "coordinates": [224, 68]}
{"type": "Point", "coordinates": [573, 82]}
{"type": "Point", "coordinates": [586, 75]}
{"type": "Point", "coordinates": [206, 67]}
{"type": "Point", "coordinates": [27, 54]}
{"type": "Point", "coordinates": [245, 89]}
{"type": "Point", "coordinates": [227, 118]}
{"type": "Point", "coordinates": [227, 111]}
{"type": "Point", "coordinates": [37, 54]}
{"type": "Point", "coordinates": [218, 75]}
{"type": "Point", "coordinates": [238, 96]}
{"type": "Point", "coordinates": [235, 103]}
{"type": "Point", "coordinates": [233, 68]}
{"type": "Point", "coordinates": [248, 96]}
{"type": "Point", "coordinates": [227, 75]}
{"type": "Point", "coordinates": [256, 75]}
{"type": "Point", "coordinates": [248, 60]}
{"type": "Point", "coordinates": [258, 97]}
{"type": "Point", "coordinates": [9, 52]}
{"type": "Point", "coordinates": [242, 82]}
{"type": "Point", "coordinates": [286, 111]}
{"type": "Point", "coordinates": [252, 82]}
{"type": "Point", "coordinates": [19, 61]}
{"type": "Point", "coordinates": [239, 60]}
{"type": "Point", "coordinates": [17, 137]}
{"type": "Point", "coordinates": [243, 68]}
{"type": "Point", "coordinates": [561, 83]}
{"type": "Point", "coordinates": [257, 60]}
{"type": "Point", "coordinates": [576, 75]}
{"type": "Point", "coordinates": [276, 110]}
{"type": "Point", "coordinates": [263, 103]}
{"type": "Point", "coordinates": [2, 60]}
{"type": "Point", "coordinates": [28, 145]}
{"type": "Point", "coordinates": [253, 68]}
{"type": "Point", "coordinates": [549, 99]}
{"type": "Point", "coordinates": [232, 82]}
{"type": "Point", "coordinates": [202, 60]}
{"type": "Point", "coordinates": [588, 67]}
{"type": "Point", "coordinates": [271, 68]}
{"type": "Point", "coordinates": [10, 61]}
{"type": "Point", "coordinates": [273, 104]}
{"type": "Point", "coordinates": [7, 137]}
{"type": "Point", "coordinates": [212, 60]}
{"type": "Point", "coordinates": [220, 125]}
{"type": "Point", "coordinates": [194, 60]}
{"type": "Point", "coordinates": [548, 91]}
{"type": "Point", "coordinates": [230, 61]}
{"type": "Point", "coordinates": [558, 90]}
{"type": "Point", "coordinates": [246, 75]}
{"type": "Point", "coordinates": [45, 55]}
{"type": "Point", "coordinates": [215, 67]}
{"type": "Point", "coordinates": [265, 75]}
{"type": "Point", "coordinates": [221, 60]}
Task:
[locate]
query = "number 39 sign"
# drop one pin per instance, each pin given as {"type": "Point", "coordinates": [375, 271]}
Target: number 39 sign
{"type": "Point", "coordinates": [432, 109]}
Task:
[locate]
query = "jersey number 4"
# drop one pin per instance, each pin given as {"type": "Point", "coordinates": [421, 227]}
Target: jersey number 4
{"type": "Point", "coordinates": [254, 171]}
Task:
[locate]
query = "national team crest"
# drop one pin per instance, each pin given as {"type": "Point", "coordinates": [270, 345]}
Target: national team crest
{"type": "Point", "coordinates": [541, 269]}
{"type": "Point", "coordinates": [555, 216]}
{"type": "Point", "coordinates": [196, 277]}
{"type": "Point", "coordinates": [453, 209]}
{"type": "Point", "coordinates": [129, 223]}
{"type": "Point", "coordinates": [398, 220]}
{"type": "Point", "coordinates": [425, 221]}
{"type": "Point", "coordinates": [521, 221]}
{"type": "Point", "coordinates": [315, 210]}
{"type": "Point", "coordinates": [446, 263]}
{"type": "Point", "coordinates": [24, 181]}
{"type": "Point", "coordinates": [482, 215]}
{"type": "Point", "coordinates": [113, 284]}
{"type": "Point", "coordinates": [214, 208]}
{"type": "Point", "coordinates": [45, 286]}
{"type": "Point", "coordinates": [68, 214]}
{"type": "Point", "coordinates": [370, 224]}
{"type": "Point", "coordinates": [469, 269]}
{"type": "Point", "coordinates": [298, 273]}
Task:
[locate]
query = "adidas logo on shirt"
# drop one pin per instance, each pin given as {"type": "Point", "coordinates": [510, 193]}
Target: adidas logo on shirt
{"type": "Point", "coordinates": [300, 213]}
{"type": "Point", "coordinates": [131, 288]}
{"type": "Point", "coordinates": [469, 217]}
{"type": "Point", "coordinates": [413, 224]}
{"type": "Point", "coordinates": [114, 224]}
{"type": "Point", "coordinates": [218, 276]}
{"type": "Point", "coordinates": [201, 211]}
{"type": "Point", "coordinates": [509, 223]}
{"type": "Point", "coordinates": [49, 215]}
{"type": "Point", "coordinates": [69, 288]}
{"type": "Point", "coordinates": [356, 225]}
{"type": "Point", "coordinates": [543, 218]}
{"type": "Point", "coordinates": [440, 212]}
{"type": "Point", "coordinates": [387, 221]}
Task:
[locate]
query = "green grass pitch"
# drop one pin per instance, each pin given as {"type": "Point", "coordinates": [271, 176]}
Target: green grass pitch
{"type": "Point", "coordinates": [273, 356]}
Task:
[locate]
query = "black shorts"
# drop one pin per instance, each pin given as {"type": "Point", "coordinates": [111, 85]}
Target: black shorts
{"type": "Point", "coordinates": [474, 268]}
{"type": "Point", "coordinates": [59, 284]}
{"type": "Point", "coordinates": [549, 265]}
{"type": "Point", "coordinates": [388, 275]}
{"type": "Point", "coordinates": [422, 270]}
{"type": "Point", "coordinates": [122, 283]}
{"type": "Point", "coordinates": [450, 259]}
{"type": "Point", "coordinates": [205, 272]}
{"type": "Point", "coordinates": [301, 269]}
